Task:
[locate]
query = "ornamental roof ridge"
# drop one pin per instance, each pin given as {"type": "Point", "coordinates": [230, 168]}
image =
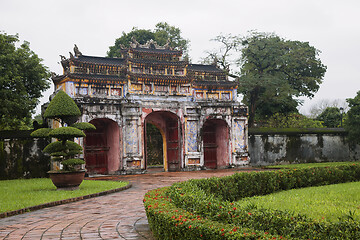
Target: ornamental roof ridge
{"type": "Point", "coordinates": [151, 44]}
{"type": "Point", "coordinates": [155, 50]}
{"type": "Point", "coordinates": [157, 62]}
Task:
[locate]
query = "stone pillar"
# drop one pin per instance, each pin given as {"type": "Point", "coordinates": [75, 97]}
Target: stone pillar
{"type": "Point", "coordinates": [193, 156]}
{"type": "Point", "coordinates": [239, 136]}
{"type": "Point", "coordinates": [132, 140]}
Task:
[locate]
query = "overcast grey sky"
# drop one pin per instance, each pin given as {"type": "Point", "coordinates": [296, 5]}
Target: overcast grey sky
{"type": "Point", "coordinates": [332, 26]}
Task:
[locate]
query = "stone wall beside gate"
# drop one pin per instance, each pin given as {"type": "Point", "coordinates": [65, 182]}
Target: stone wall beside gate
{"type": "Point", "coordinates": [21, 156]}
{"type": "Point", "coordinates": [317, 145]}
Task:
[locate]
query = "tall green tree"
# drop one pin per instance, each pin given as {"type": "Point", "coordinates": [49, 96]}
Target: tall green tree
{"type": "Point", "coordinates": [331, 117]}
{"type": "Point", "coordinates": [161, 34]}
{"type": "Point", "coordinates": [271, 71]}
{"type": "Point", "coordinates": [164, 32]}
{"type": "Point", "coordinates": [23, 78]}
{"type": "Point", "coordinates": [352, 120]}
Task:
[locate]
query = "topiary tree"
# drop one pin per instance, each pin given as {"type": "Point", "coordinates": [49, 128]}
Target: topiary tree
{"type": "Point", "coordinates": [64, 110]}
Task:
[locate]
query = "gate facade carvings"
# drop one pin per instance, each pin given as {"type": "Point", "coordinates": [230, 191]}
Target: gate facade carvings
{"type": "Point", "coordinates": [194, 107]}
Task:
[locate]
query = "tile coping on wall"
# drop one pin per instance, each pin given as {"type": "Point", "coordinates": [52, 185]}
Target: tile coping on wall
{"type": "Point", "coordinates": [60, 202]}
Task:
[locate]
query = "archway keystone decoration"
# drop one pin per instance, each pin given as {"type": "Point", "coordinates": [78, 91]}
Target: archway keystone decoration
{"type": "Point", "coordinates": [194, 106]}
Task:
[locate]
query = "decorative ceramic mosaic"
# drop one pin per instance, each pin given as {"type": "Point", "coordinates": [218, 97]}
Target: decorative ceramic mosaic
{"type": "Point", "coordinates": [191, 136]}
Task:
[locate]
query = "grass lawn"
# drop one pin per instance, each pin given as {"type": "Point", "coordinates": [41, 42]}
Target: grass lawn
{"type": "Point", "coordinates": [22, 193]}
{"type": "Point", "coordinates": [306, 165]}
{"type": "Point", "coordinates": [327, 203]}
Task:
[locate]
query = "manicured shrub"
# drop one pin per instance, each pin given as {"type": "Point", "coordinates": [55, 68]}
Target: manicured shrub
{"type": "Point", "coordinates": [58, 147]}
{"type": "Point", "coordinates": [72, 164]}
{"type": "Point", "coordinates": [84, 126]}
{"type": "Point", "coordinates": [205, 208]}
{"type": "Point", "coordinates": [63, 110]}
{"type": "Point", "coordinates": [62, 107]}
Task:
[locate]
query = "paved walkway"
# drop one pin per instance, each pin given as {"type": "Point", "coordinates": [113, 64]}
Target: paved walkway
{"type": "Point", "coordinates": [116, 216]}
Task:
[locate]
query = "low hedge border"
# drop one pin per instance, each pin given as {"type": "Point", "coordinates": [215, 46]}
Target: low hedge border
{"type": "Point", "coordinates": [60, 202]}
{"type": "Point", "coordinates": [296, 131]}
{"type": "Point", "coordinates": [205, 208]}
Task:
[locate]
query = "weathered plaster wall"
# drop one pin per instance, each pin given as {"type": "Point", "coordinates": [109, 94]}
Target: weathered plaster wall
{"type": "Point", "coordinates": [300, 148]}
{"type": "Point", "coordinates": [22, 157]}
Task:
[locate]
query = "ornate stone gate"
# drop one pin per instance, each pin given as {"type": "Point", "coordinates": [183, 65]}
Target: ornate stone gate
{"type": "Point", "coordinates": [194, 107]}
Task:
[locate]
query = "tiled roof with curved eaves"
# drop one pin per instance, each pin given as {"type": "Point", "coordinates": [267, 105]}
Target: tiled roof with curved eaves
{"type": "Point", "coordinates": [99, 77]}
{"type": "Point", "coordinates": [203, 68]}
{"type": "Point", "coordinates": [214, 84]}
{"type": "Point", "coordinates": [99, 60]}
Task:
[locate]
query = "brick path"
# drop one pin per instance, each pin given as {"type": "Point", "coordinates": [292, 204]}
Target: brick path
{"type": "Point", "coordinates": [116, 216]}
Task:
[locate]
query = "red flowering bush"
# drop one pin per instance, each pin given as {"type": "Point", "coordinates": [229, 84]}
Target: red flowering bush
{"type": "Point", "coordinates": [205, 208]}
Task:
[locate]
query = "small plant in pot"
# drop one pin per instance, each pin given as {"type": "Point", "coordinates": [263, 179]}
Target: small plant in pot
{"type": "Point", "coordinates": [63, 109]}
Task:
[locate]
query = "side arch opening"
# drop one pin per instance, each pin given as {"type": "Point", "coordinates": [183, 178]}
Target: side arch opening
{"type": "Point", "coordinates": [215, 136]}
{"type": "Point", "coordinates": [102, 147]}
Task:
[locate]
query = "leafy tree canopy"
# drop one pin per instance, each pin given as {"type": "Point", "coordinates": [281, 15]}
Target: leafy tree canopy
{"type": "Point", "coordinates": [317, 108]}
{"type": "Point", "coordinates": [23, 78]}
{"type": "Point", "coordinates": [352, 121]}
{"type": "Point", "coordinates": [292, 120]}
{"type": "Point", "coordinates": [331, 117]}
{"type": "Point", "coordinates": [270, 70]}
{"type": "Point", "coordinates": [161, 34]}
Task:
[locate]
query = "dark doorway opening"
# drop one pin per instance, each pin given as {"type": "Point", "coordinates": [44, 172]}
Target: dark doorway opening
{"type": "Point", "coordinates": [215, 134]}
{"type": "Point", "coordinates": [154, 146]}
{"type": "Point", "coordinates": [102, 147]}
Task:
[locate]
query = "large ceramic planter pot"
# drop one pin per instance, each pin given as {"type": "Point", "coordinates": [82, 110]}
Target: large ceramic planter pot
{"type": "Point", "coordinates": [67, 180]}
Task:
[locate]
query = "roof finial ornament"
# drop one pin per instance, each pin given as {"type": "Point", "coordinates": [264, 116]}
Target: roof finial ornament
{"type": "Point", "coordinates": [63, 58]}
{"type": "Point", "coordinates": [53, 75]}
{"type": "Point", "coordinates": [151, 44]}
{"type": "Point", "coordinates": [71, 55]}
{"type": "Point", "coordinates": [134, 43]}
{"type": "Point", "coordinates": [77, 51]}
{"type": "Point", "coordinates": [167, 44]}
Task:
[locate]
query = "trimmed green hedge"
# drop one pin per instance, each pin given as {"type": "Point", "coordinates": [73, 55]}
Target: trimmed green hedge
{"type": "Point", "coordinates": [206, 208]}
{"type": "Point", "coordinates": [296, 131]}
{"type": "Point", "coordinates": [61, 106]}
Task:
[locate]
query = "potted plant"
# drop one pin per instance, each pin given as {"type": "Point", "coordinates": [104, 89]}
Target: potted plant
{"type": "Point", "coordinates": [63, 110]}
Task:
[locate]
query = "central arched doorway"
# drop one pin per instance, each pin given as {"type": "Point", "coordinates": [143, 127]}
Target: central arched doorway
{"type": "Point", "coordinates": [170, 130]}
{"type": "Point", "coordinates": [102, 147]}
{"type": "Point", "coordinates": [215, 136]}
{"type": "Point", "coordinates": [154, 146]}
